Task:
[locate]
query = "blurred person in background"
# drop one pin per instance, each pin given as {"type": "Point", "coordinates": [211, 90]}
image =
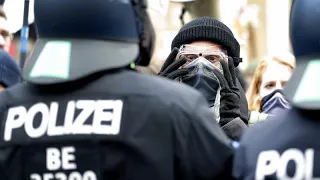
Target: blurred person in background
{"type": "Point", "coordinates": [204, 56]}
{"type": "Point", "coordinates": [10, 73]}
{"type": "Point", "coordinates": [265, 93]}
{"type": "Point", "coordinates": [5, 35]}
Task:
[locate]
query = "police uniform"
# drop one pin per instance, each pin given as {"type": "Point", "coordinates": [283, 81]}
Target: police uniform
{"type": "Point", "coordinates": [286, 146]}
{"type": "Point", "coordinates": [83, 114]}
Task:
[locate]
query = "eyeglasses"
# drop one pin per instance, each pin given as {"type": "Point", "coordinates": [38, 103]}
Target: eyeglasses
{"type": "Point", "coordinates": [213, 54]}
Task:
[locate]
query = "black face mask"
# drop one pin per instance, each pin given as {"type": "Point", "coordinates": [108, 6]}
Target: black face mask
{"type": "Point", "coordinates": [202, 78]}
{"type": "Point", "coordinates": [274, 102]}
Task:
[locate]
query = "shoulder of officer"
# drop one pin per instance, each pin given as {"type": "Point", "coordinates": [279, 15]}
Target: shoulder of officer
{"type": "Point", "coordinates": [163, 91]}
{"type": "Point", "coordinates": [11, 93]}
{"type": "Point", "coordinates": [265, 130]}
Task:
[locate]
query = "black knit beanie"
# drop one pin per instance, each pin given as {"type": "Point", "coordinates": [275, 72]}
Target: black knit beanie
{"type": "Point", "coordinates": [208, 29]}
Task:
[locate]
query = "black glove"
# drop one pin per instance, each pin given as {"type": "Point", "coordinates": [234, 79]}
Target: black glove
{"type": "Point", "coordinates": [170, 68]}
{"type": "Point", "coordinates": [229, 94]}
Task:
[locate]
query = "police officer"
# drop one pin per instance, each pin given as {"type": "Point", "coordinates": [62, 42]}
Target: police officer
{"type": "Point", "coordinates": [286, 146]}
{"type": "Point", "coordinates": [85, 114]}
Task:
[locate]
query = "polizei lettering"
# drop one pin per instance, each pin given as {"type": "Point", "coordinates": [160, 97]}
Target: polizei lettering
{"type": "Point", "coordinates": [106, 118]}
{"type": "Point", "coordinates": [273, 163]}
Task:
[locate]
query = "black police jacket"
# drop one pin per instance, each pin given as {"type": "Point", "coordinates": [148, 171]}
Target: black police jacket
{"type": "Point", "coordinates": [121, 125]}
{"type": "Point", "coordinates": [284, 146]}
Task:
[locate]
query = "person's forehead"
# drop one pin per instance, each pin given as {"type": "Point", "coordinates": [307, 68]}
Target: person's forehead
{"type": "Point", "coordinates": [4, 25]}
{"type": "Point", "coordinates": [202, 46]}
{"type": "Point", "coordinates": [276, 71]}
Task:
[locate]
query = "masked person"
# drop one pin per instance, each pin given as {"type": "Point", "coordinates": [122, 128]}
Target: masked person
{"type": "Point", "coordinates": [274, 102]}
{"type": "Point", "coordinates": [204, 55]}
{"type": "Point", "coordinates": [265, 95]}
{"type": "Point", "coordinates": [286, 146]}
{"type": "Point", "coordinates": [84, 113]}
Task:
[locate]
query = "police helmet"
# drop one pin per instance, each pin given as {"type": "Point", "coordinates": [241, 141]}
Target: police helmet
{"type": "Point", "coordinates": [303, 88]}
{"type": "Point", "coordinates": [80, 37]}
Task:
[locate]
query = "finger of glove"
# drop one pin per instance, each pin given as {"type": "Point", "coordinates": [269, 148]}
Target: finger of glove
{"type": "Point", "coordinates": [177, 73]}
{"type": "Point", "coordinates": [227, 73]}
{"type": "Point", "coordinates": [223, 83]}
{"type": "Point", "coordinates": [175, 65]}
{"type": "Point", "coordinates": [232, 70]}
{"type": "Point", "coordinates": [170, 59]}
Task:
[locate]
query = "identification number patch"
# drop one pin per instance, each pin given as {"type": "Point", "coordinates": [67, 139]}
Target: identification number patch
{"type": "Point", "coordinates": [62, 162]}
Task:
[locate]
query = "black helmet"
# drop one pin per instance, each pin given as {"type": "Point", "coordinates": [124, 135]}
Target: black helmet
{"type": "Point", "coordinates": [81, 37]}
{"type": "Point", "coordinates": [303, 89]}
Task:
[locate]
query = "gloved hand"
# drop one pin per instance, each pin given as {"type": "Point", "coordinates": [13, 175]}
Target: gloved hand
{"type": "Point", "coordinates": [229, 100]}
{"type": "Point", "coordinates": [170, 68]}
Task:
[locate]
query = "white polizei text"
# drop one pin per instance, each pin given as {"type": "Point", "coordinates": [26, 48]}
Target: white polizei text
{"type": "Point", "coordinates": [102, 111]}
